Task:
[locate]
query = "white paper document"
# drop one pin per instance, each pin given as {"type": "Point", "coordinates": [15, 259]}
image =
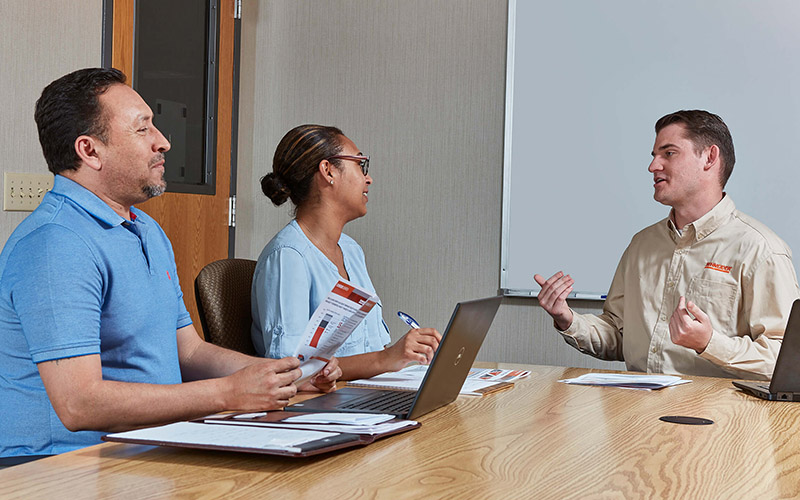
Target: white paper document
{"type": "Point", "coordinates": [351, 423]}
{"type": "Point", "coordinates": [334, 320]}
{"type": "Point", "coordinates": [227, 436]}
{"type": "Point", "coordinates": [482, 378]}
{"type": "Point", "coordinates": [496, 374]}
{"type": "Point", "coordinates": [340, 418]}
{"type": "Point", "coordinates": [358, 428]}
{"type": "Point", "coordinates": [627, 381]}
{"type": "Point", "coordinates": [410, 378]}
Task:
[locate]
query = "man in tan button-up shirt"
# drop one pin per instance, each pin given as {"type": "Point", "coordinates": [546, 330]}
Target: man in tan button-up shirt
{"type": "Point", "coordinates": [706, 291]}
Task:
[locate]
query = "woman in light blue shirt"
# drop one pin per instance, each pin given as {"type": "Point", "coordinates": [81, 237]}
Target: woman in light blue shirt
{"type": "Point", "coordinates": [326, 177]}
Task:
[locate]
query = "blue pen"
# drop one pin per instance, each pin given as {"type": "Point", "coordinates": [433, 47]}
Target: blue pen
{"type": "Point", "coordinates": [408, 319]}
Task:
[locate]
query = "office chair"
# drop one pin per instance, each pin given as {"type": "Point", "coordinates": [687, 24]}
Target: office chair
{"type": "Point", "coordinates": [222, 289]}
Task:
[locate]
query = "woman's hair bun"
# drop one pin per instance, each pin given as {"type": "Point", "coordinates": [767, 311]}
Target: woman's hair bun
{"type": "Point", "coordinates": [297, 160]}
{"type": "Point", "coordinates": [274, 188]}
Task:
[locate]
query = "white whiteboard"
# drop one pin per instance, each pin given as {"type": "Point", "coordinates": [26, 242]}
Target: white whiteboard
{"type": "Point", "coordinates": [586, 82]}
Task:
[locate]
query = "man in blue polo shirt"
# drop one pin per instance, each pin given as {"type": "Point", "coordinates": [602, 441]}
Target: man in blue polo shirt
{"type": "Point", "coordinates": [94, 335]}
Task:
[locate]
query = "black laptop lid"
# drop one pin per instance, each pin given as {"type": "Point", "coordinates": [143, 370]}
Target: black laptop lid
{"type": "Point", "coordinates": [460, 344]}
{"type": "Point", "coordinates": [786, 377]}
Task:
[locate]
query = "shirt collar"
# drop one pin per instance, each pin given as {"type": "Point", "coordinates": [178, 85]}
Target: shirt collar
{"type": "Point", "coordinates": [709, 222]}
{"type": "Point", "coordinates": [88, 201]}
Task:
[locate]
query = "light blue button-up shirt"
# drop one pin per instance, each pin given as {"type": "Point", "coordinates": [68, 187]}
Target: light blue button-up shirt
{"type": "Point", "coordinates": [292, 278]}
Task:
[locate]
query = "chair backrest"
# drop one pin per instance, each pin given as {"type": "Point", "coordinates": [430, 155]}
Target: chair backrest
{"type": "Point", "coordinates": [222, 289]}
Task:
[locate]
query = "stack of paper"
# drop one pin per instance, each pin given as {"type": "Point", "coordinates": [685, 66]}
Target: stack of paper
{"type": "Point", "coordinates": [340, 418]}
{"type": "Point", "coordinates": [224, 436]}
{"type": "Point", "coordinates": [410, 379]}
{"type": "Point", "coordinates": [272, 433]}
{"type": "Point", "coordinates": [370, 424]}
{"type": "Point", "coordinates": [627, 381]}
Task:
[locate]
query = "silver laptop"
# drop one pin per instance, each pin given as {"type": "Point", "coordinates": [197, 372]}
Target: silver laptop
{"type": "Point", "coordinates": [449, 368]}
{"type": "Point", "coordinates": [785, 383]}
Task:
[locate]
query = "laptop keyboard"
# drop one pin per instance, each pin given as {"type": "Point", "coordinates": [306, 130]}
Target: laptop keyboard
{"type": "Point", "coordinates": [389, 402]}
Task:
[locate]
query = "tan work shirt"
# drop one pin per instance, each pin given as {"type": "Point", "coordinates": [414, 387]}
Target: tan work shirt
{"type": "Point", "coordinates": [733, 267]}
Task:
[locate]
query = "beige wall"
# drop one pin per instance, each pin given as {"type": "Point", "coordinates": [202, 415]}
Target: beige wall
{"type": "Point", "coordinates": [39, 41]}
{"type": "Point", "coordinates": [419, 85]}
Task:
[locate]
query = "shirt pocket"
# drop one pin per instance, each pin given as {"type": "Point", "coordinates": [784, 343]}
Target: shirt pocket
{"type": "Point", "coordinates": [718, 300]}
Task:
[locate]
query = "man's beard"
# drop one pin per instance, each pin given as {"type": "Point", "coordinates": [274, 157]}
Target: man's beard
{"type": "Point", "coordinates": [153, 190]}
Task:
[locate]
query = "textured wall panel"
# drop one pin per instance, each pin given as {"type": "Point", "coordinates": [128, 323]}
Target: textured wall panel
{"type": "Point", "coordinates": [419, 86]}
{"type": "Point", "coordinates": [39, 41]}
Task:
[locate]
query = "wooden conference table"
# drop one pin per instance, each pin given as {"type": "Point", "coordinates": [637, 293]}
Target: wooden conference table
{"type": "Point", "coordinates": [541, 439]}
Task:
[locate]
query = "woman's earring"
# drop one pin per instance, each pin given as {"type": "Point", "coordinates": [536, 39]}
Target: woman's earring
{"type": "Point", "coordinates": [331, 182]}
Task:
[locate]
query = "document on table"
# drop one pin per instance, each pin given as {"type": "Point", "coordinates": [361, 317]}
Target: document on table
{"type": "Point", "coordinates": [330, 325]}
{"type": "Point", "coordinates": [340, 418]}
{"type": "Point", "coordinates": [627, 381]}
{"type": "Point", "coordinates": [478, 382]}
{"type": "Point", "coordinates": [225, 436]}
{"type": "Point", "coordinates": [496, 374]}
{"type": "Point", "coordinates": [370, 424]}
{"type": "Point", "coordinates": [272, 433]}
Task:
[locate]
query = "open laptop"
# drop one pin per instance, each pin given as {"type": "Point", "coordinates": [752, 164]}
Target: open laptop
{"type": "Point", "coordinates": [449, 368]}
{"type": "Point", "coordinates": [785, 383]}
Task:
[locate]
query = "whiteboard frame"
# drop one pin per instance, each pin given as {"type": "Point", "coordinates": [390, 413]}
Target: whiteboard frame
{"type": "Point", "coordinates": [509, 120]}
{"type": "Point", "coordinates": [507, 135]}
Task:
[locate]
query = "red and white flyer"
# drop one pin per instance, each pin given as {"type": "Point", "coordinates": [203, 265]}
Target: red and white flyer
{"type": "Point", "coordinates": [330, 325]}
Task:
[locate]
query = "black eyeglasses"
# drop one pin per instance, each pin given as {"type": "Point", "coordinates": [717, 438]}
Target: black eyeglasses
{"type": "Point", "coordinates": [363, 161]}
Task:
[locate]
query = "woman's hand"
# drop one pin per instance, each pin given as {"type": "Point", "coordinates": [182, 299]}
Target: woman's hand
{"type": "Point", "coordinates": [419, 345]}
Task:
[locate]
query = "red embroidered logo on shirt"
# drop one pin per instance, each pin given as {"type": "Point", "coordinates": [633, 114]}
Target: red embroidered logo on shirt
{"type": "Point", "coordinates": [168, 276]}
{"type": "Point", "coordinates": [719, 267]}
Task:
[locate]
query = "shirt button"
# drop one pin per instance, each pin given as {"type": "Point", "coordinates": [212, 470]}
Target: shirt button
{"type": "Point", "coordinates": [654, 349]}
{"type": "Point", "coordinates": [663, 317]}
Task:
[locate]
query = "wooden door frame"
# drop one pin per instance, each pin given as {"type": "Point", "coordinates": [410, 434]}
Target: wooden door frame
{"type": "Point", "coordinates": [213, 216]}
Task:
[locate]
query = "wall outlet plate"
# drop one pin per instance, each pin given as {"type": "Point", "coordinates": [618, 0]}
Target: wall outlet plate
{"type": "Point", "coordinates": [24, 192]}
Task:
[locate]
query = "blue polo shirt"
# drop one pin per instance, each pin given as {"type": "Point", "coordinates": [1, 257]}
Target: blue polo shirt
{"type": "Point", "coordinates": [77, 279]}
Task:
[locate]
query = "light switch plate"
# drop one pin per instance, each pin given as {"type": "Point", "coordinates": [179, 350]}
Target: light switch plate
{"type": "Point", "coordinates": [24, 192]}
